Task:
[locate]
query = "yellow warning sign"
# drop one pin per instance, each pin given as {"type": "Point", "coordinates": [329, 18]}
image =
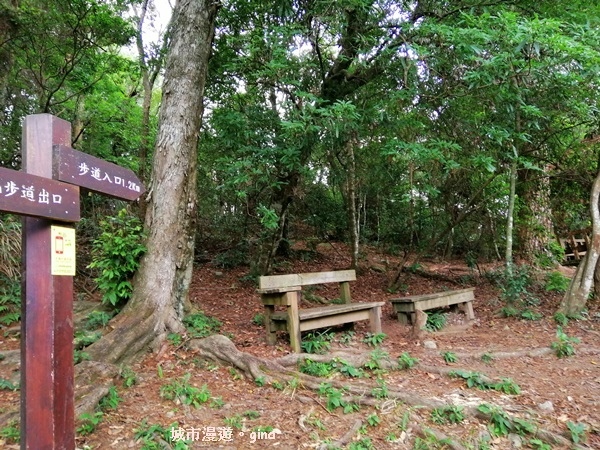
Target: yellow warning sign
{"type": "Point", "coordinates": [63, 250]}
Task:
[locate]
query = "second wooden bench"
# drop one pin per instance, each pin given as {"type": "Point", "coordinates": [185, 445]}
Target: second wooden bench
{"type": "Point", "coordinates": [286, 290]}
{"type": "Point", "coordinates": [405, 307]}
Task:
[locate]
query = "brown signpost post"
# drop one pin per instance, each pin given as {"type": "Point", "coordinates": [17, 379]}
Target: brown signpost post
{"type": "Point", "coordinates": [47, 373]}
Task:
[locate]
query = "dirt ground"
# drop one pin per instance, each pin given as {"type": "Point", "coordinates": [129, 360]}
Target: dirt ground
{"type": "Point", "coordinates": [554, 392]}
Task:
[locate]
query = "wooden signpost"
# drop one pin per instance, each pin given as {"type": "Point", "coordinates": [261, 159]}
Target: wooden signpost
{"type": "Point", "coordinates": [45, 192]}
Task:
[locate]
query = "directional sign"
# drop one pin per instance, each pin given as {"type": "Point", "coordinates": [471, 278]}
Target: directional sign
{"type": "Point", "coordinates": [95, 174]}
{"type": "Point", "coordinates": [30, 195]}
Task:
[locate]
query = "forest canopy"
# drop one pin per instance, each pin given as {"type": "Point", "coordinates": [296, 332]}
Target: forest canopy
{"type": "Point", "coordinates": [419, 126]}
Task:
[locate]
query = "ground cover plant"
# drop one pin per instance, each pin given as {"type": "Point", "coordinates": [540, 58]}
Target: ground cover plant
{"type": "Point", "coordinates": [356, 390]}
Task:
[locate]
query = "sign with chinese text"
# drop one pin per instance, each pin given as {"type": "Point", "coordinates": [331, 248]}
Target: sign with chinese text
{"type": "Point", "coordinates": [62, 249]}
{"type": "Point", "coordinates": [30, 195]}
{"type": "Point", "coordinates": [95, 174]}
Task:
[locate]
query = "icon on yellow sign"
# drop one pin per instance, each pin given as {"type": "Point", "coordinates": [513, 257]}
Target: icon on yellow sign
{"type": "Point", "coordinates": [63, 251]}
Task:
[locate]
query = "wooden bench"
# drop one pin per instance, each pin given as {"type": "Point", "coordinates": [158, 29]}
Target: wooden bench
{"type": "Point", "coordinates": [405, 307]}
{"type": "Point", "coordinates": [286, 290]}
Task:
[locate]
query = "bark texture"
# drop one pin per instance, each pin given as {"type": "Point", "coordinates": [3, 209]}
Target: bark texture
{"type": "Point", "coordinates": [161, 285]}
{"type": "Point", "coordinates": [353, 223]}
{"type": "Point", "coordinates": [575, 299]}
{"type": "Point", "coordinates": [534, 223]}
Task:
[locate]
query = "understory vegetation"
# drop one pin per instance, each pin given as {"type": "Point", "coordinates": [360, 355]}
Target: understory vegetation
{"type": "Point", "coordinates": [362, 385]}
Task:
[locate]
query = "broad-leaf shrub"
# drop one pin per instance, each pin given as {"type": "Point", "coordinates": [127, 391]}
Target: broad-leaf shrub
{"type": "Point", "coordinates": [116, 255]}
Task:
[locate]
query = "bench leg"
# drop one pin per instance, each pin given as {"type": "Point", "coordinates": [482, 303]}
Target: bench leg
{"type": "Point", "coordinates": [467, 307]}
{"type": "Point", "coordinates": [406, 318]}
{"type": "Point", "coordinates": [375, 319]}
{"type": "Point", "coordinates": [403, 318]}
{"type": "Point", "coordinates": [269, 325]}
{"type": "Point", "coordinates": [345, 295]}
{"type": "Point", "coordinates": [293, 323]}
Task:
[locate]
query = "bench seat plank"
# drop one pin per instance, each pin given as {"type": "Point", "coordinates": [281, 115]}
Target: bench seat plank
{"type": "Point", "coordinates": [329, 310]}
{"type": "Point", "coordinates": [331, 315]}
{"type": "Point", "coordinates": [405, 307]}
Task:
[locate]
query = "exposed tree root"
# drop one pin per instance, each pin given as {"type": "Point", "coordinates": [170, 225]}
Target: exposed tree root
{"type": "Point", "coordinates": [12, 358]}
{"type": "Point", "coordinates": [220, 349]}
{"type": "Point", "coordinates": [544, 435]}
{"type": "Point", "coordinates": [132, 334]}
{"type": "Point", "coordinates": [9, 417]}
{"type": "Point", "coordinates": [345, 439]}
{"type": "Point", "coordinates": [425, 433]}
{"type": "Point", "coordinates": [81, 311]}
{"type": "Point", "coordinates": [356, 358]}
{"type": "Point", "coordinates": [526, 353]}
{"type": "Point", "coordinates": [93, 381]}
{"type": "Point", "coordinates": [432, 275]}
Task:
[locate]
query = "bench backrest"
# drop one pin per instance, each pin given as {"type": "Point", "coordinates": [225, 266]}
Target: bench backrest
{"type": "Point", "coordinates": [305, 279]}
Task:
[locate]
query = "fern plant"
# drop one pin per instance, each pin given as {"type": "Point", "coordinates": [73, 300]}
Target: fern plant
{"type": "Point", "coordinates": [10, 300]}
{"type": "Point", "coordinates": [436, 321]}
{"type": "Point", "coordinates": [10, 247]}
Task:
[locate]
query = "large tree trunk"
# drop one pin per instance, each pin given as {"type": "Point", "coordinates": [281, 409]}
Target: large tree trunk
{"type": "Point", "coordinates": [534, 224]}
{"type": "Point", "coordinates": [575, 299]}
{"type": "Point", "coordinates": [162, 282]}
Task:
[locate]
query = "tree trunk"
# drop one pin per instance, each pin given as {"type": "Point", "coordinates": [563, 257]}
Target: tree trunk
{"type": "Point", "coordinates": [272, 240]}
{"type": "Point", "coordinates": [162, 282]}
{"type": "Point", "coordinates": [597, 280]}
{"type": "Point", "coordinates": [575, 299]}
{"type": "Point", "coordinates": [534, 225]}
{"type": "Point", "coordinates": [149, 71]}
{"type": "Point", "coordinates": [351, 199]}
{"type": "Point", "coordinates": [508, 255]}
{"type": "Point", "coordinates": [8, 28]}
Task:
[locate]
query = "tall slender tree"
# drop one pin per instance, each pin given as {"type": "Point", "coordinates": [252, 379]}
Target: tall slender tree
{"type": "Point", "coordinates": [150, 60]}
